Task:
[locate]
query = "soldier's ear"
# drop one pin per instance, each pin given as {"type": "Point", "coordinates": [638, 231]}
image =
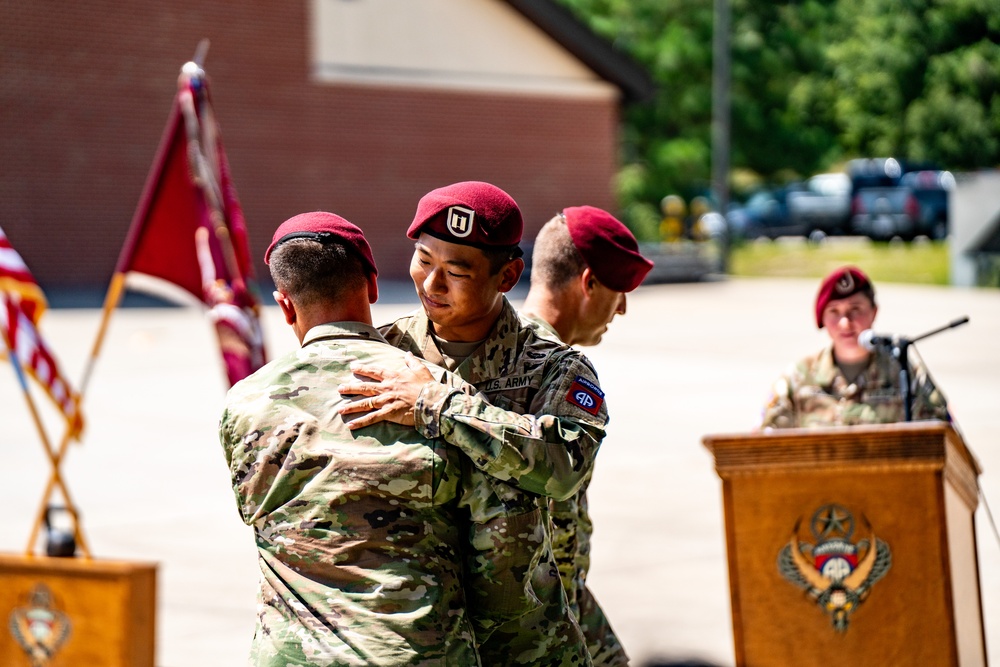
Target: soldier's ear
{"type": "Point", "coordinates": [588, 281]}
{"type": "Point", "coordinates": [286, 306]}
{"type": "Point", "coordinates": [510, 274]}
{"type": "Point", "coordinates": [372, 288]}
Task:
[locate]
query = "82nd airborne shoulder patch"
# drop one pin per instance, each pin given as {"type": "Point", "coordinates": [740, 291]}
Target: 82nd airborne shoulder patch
{"type": "Point", "coordinates": [585, 395]}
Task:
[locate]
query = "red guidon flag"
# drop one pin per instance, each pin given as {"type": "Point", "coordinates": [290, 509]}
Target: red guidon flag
{"type": "Point", "coordinates": [189, 230]}
{"type": "Point", "coordinates": [21, 306]}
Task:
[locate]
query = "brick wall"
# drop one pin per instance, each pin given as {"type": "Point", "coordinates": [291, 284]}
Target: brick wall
{"type": "Point", "coordinates": [85, 90]}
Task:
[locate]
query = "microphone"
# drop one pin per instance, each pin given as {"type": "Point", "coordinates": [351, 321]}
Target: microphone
{"type": "Point", "coordinates": [898, 345]}
{"type": "Point", "coordinates": [870, 340]}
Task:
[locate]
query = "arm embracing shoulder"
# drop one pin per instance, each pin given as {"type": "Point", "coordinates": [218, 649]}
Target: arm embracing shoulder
{"type": "Point", "coordinates": [549, 451]}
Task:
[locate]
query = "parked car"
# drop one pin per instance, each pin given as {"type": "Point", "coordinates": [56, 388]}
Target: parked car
{"type": "Point", "coordinates": [765, 214]}
{"type": "Point", "coordinates": [823, 206]}
{"type": "Point", "coordinates": [883, 213]}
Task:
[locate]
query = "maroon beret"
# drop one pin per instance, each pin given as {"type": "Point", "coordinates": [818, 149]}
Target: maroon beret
{"type": "Point", "coordinates": [325, 228]}
{"type": "Point", "coordinates": [608, 247]}
{"type": "Point", "coordinates": [469, 213]}
{"type": "Point", "coordinates": [841, 284]}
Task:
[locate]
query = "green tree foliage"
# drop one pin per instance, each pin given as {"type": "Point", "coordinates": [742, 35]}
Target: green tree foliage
{"type": "Point", "coordinates": [782, 120]}
{"type": "Point", "coordinates": [813, 82]}
{"type": "Point", "coordinates": [920, 79]}
{"type": "Point", "coordinates": [667, 144]}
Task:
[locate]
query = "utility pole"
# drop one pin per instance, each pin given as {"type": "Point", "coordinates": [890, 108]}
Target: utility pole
{"type": "Point", "coordinates": [721, 117]}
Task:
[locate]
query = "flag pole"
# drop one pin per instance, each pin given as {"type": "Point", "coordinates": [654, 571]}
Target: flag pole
{"type": "Point", "coordinates": [55, 479]}
{"type": "Point", "coordinates": [211, 188]}
{"type": "Point", "coordinates": [117, 286]}
{"type": "Point", "coordinates": [111, 301]}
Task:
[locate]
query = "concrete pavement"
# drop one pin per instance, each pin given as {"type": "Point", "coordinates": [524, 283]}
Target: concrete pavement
{"type": "Point", "coordinates": [687, 360]}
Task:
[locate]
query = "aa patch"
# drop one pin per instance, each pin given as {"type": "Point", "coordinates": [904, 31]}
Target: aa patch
{"type": "Point", "coordinates": [585, 395]}
{"type": "Point", "coordinates": [459, 221]}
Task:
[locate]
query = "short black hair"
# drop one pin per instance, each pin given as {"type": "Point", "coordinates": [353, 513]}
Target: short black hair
{"type": "Point", "coordinates": [309, 271]}
{"type": "Point", "coordinates": [499, 257]}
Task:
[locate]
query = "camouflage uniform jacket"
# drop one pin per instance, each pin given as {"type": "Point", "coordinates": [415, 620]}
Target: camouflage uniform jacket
{"type": "Point", "coordinates": [378, 546]}
{"type": "Point", "coordinates": [537, 420]}
{"type": "Point", "coordinates": [572, 529]}
{"type": "Point", "coordinates": [538, 417]}
{"type": "Point", "coordinates": [815, 393]}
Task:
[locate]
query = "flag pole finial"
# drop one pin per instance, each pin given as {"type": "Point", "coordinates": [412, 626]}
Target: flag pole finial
{"type": "Point", "coordinates": [201, 52]}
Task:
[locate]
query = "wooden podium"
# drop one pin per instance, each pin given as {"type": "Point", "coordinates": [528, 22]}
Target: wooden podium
{"type": "Point", "coordinates": [76, 611]}
{"type": "Point", "coordinates": [852, 545]}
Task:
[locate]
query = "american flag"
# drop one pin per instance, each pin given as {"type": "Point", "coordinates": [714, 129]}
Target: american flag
{"type": "Point", "coordinates": [22, 303]}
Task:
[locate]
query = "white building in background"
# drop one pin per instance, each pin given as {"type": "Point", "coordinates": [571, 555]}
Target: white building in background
{"type": "Point", "coordinates": [975, 229]}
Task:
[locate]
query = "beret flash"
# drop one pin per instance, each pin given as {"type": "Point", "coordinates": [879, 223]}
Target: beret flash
{"type": "Point", "coordinates": [469, 213]}
{"type": "Point", "coordinates": [841, 284]}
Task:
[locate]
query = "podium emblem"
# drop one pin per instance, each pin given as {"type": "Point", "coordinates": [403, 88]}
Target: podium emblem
{"type": "Point", "coordinates": [836, 573]}
{"type": "Point", "coordinates": [39, 628]}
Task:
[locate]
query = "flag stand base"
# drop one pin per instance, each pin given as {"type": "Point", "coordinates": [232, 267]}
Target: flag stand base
{"type": "Point", "coordinates": [63, 612]}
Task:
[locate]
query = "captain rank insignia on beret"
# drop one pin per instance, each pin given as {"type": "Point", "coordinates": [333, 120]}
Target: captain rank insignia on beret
{"type": "Point", "coordinates": [459, 221]}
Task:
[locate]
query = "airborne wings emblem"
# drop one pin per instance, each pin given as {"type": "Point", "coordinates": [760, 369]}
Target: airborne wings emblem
{"type": "Point", "coordinates": [39, 628]}
{"type": "Point", "coordinates": [835, 572]}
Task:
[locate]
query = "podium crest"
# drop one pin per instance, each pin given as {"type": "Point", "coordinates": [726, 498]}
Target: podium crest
{"type": "Point", "coordinates": [835, 572]}
{"type": "Point", "coordinates": [39, 628]}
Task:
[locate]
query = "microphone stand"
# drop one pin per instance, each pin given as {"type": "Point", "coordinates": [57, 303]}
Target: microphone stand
{"type": "Point", "coordinates": [900, 350]}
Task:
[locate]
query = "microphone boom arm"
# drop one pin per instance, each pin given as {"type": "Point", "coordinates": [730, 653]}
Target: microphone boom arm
{"type": "Point", "coordinates": [900, 349]}
{"type": "Point", "coordinates": [951, 325]}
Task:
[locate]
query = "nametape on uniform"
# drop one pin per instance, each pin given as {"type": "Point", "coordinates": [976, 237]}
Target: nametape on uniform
{"type": "Point", "coordinates": [585, 395]}
{"type": "Point", "coordinates": [504, 383]}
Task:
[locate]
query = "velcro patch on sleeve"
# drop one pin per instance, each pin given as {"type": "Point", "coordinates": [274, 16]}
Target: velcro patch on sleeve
{"type": "Point", "coordinates": [585, 395]}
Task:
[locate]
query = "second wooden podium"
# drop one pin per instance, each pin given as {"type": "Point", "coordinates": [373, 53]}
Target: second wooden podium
{"type": "Point", "coordinates": [852, 545]}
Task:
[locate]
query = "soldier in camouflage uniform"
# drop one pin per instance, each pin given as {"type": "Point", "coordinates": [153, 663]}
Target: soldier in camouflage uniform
{"type": "Point", "coordinates": [846, 384]}
{"type": "Point", "coordinates": [583, 263]}
{"type": "Point", "coordinates": [377, 546]}
{"type": "Point", "coordinates": [538, 416]}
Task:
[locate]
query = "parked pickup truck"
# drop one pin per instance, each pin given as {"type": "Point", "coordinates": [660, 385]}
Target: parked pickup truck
{"type": "Point", "coordinates": [917, 206]}
{"type": "Point", "coordinates": [824, 205]}
{"type": "Point", "coordinates": [883, 213]}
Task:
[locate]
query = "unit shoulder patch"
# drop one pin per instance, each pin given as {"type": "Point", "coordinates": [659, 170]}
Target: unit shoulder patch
{"type": "Point", "coordinates": [585, 395]}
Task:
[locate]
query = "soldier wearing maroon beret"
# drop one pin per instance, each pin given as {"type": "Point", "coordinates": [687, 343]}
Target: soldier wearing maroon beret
{"type": "Point", "coordinates": [537, 416]}
{"type": "Point", "coordinates": [583, 263]}
{"type": "Point", "coordinates": [848, 383]}
{"type": "Point", "coordinates": [378, 547]}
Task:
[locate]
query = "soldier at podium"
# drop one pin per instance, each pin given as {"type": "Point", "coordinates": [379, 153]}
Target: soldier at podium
{"type": "Point", "coordinates": [847, 383]}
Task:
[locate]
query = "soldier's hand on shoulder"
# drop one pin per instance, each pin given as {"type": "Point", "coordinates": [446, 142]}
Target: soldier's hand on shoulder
{"type": "Point", "coordinates": [391, 395]}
